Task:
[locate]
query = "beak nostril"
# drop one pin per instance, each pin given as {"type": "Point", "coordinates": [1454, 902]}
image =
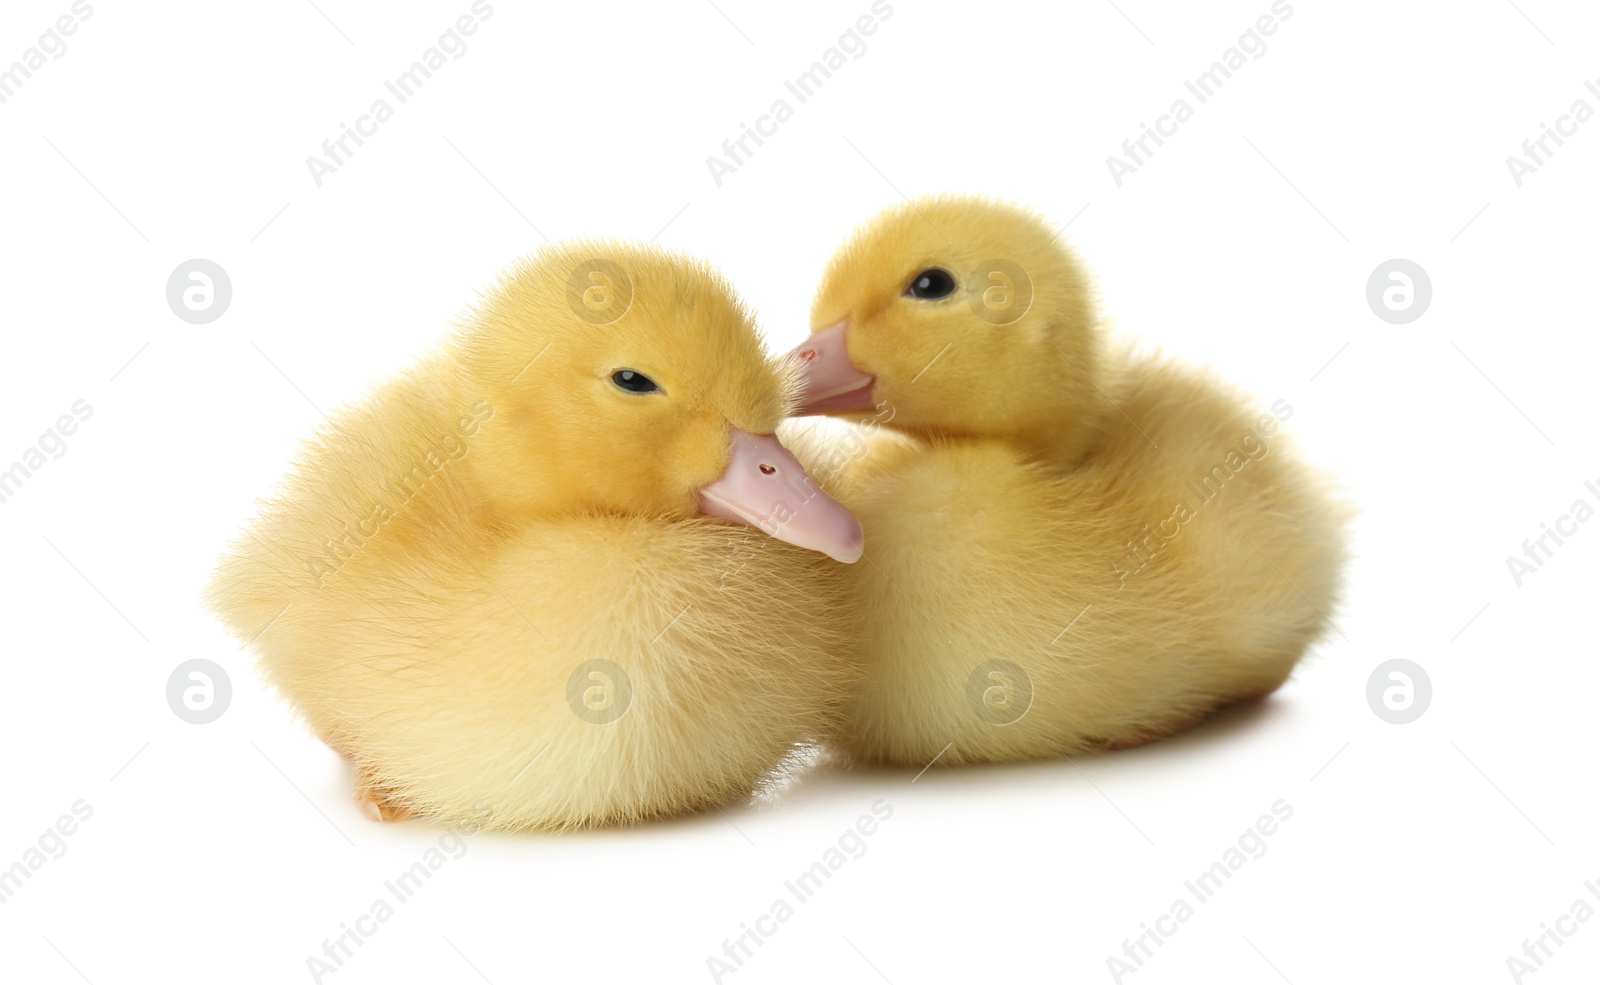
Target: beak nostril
{"type": "Point", "coordinates": [766, 469]}
{"type": "Point", "coordinates": [807, 355]}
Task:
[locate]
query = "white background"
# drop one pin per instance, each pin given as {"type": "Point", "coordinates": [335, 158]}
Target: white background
{"type": "Point", "coordinates": [230, 851]}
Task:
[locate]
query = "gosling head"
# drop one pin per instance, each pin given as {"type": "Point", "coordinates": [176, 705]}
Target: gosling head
{"type": "Point", "coordinates": [962, 315]}
{"type": "Point", "coordinates": [626, 379]}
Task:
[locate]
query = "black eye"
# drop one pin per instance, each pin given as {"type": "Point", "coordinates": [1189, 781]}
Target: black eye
{"type": "Point", "coordinates": [931, 283]}
{"type": "Point", "coordinates": [627, 379]}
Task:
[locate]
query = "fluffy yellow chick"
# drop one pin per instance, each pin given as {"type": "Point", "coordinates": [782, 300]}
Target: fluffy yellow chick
{"type": "Point", "coordinates": [492, 584]}
{"type": "Point", "coordinates": [1071, 546]}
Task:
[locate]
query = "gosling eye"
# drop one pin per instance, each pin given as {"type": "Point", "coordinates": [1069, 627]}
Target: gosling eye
{"type": "Point", "coordinates": [931, 284]}
{"type": "Point", "coordinates": [633, 382]}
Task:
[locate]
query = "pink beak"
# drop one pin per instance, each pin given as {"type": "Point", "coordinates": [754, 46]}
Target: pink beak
{"type": "Point", "coordinates": [830, 383]}
{"type": "Point", "coordinates": [765, 487]}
